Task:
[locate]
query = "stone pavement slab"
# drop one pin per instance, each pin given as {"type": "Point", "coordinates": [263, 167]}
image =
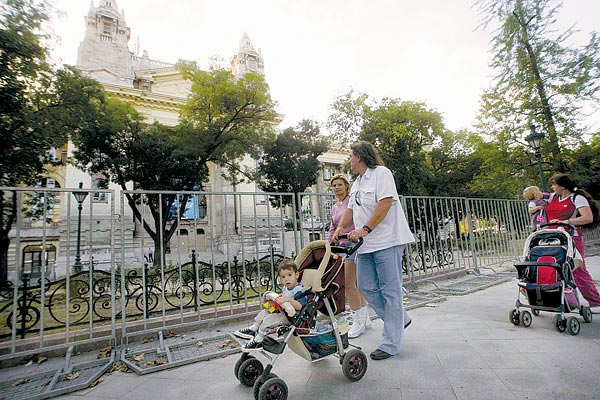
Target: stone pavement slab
{"type": "Point", "coordinates": [463, 348]}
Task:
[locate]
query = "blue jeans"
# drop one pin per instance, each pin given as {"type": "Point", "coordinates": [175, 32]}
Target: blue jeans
{"type": "Point", "coordinates": [379, 276]}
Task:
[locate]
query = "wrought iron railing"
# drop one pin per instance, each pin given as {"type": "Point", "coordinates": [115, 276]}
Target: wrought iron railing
{"type": "Point", "coordinates": [86, 296]}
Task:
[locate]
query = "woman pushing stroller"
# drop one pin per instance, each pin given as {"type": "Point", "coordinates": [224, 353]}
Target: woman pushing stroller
{"type": "Point", "coordinates": [575, 207]}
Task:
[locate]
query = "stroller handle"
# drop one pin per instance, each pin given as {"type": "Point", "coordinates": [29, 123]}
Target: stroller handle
{"type": "Point", "coordinates": [346, 250]}
{"type": "Point", "coordinates": [571, 228]}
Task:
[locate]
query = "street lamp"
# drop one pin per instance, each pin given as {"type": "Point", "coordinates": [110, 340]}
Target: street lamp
{"type": "Point", "coordinates": [535, 139]}
{"type": "Point", "coordinates": [80, 197]}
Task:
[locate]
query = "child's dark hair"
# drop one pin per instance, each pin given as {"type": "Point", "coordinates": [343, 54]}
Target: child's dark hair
{"type": "Point", "coordinates": [287, 264]}
{"type": "Point", "coordinates": [567, 182]}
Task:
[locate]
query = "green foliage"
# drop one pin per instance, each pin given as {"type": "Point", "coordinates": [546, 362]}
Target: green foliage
{"type": "Point", "coordinates": [402, 131]}
{"type": "Point", "coordinates": [502, 171]}
{"type": "Point", "coordinates": [290, 163]}
{"type": "Point", "coordinates": [28, 100]}
{"type": "Point", "coordinates": [226, 119]}
{"type": "Point", "coordinates": [584, 166]}
{"type": "Point", "coordinates": [24, 76]}
{"type": "Point", "coordinates": [454, 164]}
{"type": "Point", "coordinates": [540, 80]}
{"type": "Point", "coordinates": [350, 110]}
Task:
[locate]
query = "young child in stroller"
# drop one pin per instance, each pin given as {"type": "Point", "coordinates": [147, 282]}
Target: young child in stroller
{"type": "Point", "coordinates": [316, 331]}
{"type": "Point", "coordinates": [266, 320]}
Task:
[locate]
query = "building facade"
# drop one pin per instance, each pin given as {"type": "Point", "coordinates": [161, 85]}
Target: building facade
{"type": "Point", "coordinates": [157, 90]}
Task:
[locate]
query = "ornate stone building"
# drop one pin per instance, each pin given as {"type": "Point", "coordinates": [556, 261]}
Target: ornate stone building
{"type": "Point", "coordinates": [157, 90]}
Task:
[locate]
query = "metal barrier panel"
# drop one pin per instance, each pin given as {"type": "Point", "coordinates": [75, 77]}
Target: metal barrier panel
{"type": "Point", "coordinates": [58, 285]}
{"type": "Point", "coordinates": [214, 257]}
{"type": "Point", "coordinates": [78, 275]}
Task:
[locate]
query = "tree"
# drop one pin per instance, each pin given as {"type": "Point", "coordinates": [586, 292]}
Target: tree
{"type": "Point", "coordinates": [540, 80]}
{"type": "Point", "coordinates": [584, 166]}
{"type": "Point", "coordinates": [350, 111]}
{"type": "Point", "coordinates": [290, 163]}
{"type": "Point", "coordinates": [401, 131]}
{"type": "Point", "coordinates": [26, 93]}
{"type": "Point", "coordinates": [224, 120]}
{"type": "Point", "coordinates": [454, 163]}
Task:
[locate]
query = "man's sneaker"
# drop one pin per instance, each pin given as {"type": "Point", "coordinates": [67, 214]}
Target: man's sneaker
{"type": "Point", "coordinates": [252, 345]}
{"type": "Point", "coordinates": [245, 333]}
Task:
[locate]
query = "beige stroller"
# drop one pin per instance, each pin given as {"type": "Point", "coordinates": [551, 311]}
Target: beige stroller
{"type": "Point", "coordinates": [315, 331]}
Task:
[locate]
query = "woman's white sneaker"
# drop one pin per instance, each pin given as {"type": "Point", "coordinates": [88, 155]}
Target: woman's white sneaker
{"type": "Point", "coordinates": [368, 323]}
{"type": "Point", "coordinates": [358, 324]}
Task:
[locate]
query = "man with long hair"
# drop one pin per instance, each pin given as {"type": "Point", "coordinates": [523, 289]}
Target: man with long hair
{"type": "Point", "coordinates": [379, 219]}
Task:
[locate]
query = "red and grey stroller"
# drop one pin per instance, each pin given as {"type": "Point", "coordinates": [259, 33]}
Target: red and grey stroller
{"type": "Point", "coordinates": [546, 279]}
{"type": "Point", "coordinates": [315, 332]}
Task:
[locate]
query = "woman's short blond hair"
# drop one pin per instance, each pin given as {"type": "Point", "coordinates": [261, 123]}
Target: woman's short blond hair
{"type": "Point", "coordinates": [341, 178]}
{"type": "Point", "coordinates": [530, 191]}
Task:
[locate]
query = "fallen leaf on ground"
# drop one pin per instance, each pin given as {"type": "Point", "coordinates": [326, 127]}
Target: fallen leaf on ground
{"type": "Point", "coordinates": [160, 362]}
{"type": "Point", "coordinates": [125, 368]}
{"type": "Point", "coordinates": [224, 343]}
{"type": "Point", "coordinates": [105, 352]}
{"type": "Point", "coordinates": [172, 334]}
{"type": "Point", "coordinates": [139, 357]}
{"type": "Point", "coordinates": [97, 381]}
{"type": "Point", "coordinates": [147, 340]}
{"type": "Point", "coordinates": [200, 344]}
{"type": "Point", "coordinates": [72, 376]}
{"type": "Point", "coordinates": [113, 368]}
{"type": "Point", "coordinates": [42, 359]}
{"type": "Point", "coordinates": [19, 382]}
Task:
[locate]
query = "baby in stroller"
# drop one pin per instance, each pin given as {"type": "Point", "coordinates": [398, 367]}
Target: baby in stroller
{"type": "Point", "coordinates": [546, 279]}
{"type": "Point", "coordinates": [314, 332]}
{"type": "Point", "coordinates": [269, 319]}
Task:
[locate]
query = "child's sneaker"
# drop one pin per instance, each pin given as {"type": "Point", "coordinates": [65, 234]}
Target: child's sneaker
{"type": "Point", "coordinates": [245, 333]}
{"type": "Point", "coordinates": [252, 345]}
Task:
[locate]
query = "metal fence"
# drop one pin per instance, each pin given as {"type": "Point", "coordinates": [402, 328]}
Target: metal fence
{"type": "Point", "coordinates": [100, 272]}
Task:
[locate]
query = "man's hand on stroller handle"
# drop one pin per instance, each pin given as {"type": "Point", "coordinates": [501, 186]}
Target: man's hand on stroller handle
{"type": "Point", "coordinates": [353, 236]}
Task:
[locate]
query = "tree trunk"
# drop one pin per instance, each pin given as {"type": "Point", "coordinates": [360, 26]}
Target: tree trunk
{"type": "Point", "coordinates": [558, 164]}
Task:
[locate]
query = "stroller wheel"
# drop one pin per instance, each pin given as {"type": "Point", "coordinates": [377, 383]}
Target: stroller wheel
{"type": "Point", "coordinates": [535, 312]}
{"type": "Point", "coordinates": [273, 389]}
{"type": "Point", "coordinates": [239, 362]}
{"type": "Point", "coordinates": [259, 382]}
{"type": "Point", "coordinates": [559, 323]}
{"type": "Point", "coordinates": [586, 313]}
{"type": "Point", "coordinates": [525, 319]}
{"type": "Point", "coordinates": [513, 317]}
{"type": "Point", "coordinates": [354, 365]}
{"type": "Point", "coordinates": [573, 326]}
{"type": "Point", "coordinates": [249, 371]}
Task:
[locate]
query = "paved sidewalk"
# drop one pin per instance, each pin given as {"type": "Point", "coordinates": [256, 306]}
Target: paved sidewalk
{"type": "Point", "coordinates": [463, 348]}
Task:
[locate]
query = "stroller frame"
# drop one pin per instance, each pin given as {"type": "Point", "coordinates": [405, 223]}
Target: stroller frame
{"type": "Point", "coordinates": [542, 296]}
{"type": "Point", "coordinates": [267, 385]}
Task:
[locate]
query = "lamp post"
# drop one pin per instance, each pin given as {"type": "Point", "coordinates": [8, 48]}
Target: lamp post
{"type": "Point", "coordinates": [80, 197]}
{"type": "Point", "coordinates": [535, 139]}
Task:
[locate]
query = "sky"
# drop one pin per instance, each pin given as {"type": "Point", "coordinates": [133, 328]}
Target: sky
{"type": "Point", "coordinates": [430, 51]}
